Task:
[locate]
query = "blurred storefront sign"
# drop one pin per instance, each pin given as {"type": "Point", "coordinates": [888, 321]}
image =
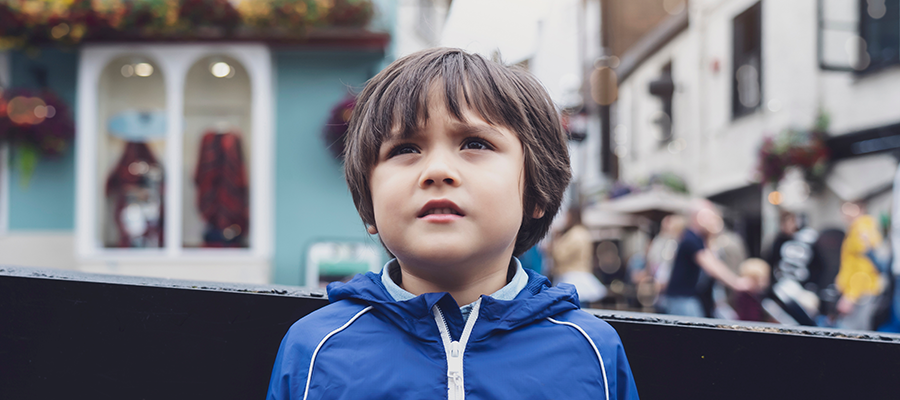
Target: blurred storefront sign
{"type": "Point", "coordinates": [330, 261]}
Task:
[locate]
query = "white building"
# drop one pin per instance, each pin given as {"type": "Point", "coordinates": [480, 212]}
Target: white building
{"type": "Point", "coordinates": [728, 73]}
{"type": "Point", "coordinates": [419, 24]}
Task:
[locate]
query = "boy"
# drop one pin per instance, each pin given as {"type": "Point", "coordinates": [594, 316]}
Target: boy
{"type": "Point", "coordinates": [458, 164]}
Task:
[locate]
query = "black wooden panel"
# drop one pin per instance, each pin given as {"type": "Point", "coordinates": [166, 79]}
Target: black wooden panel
{"type": "Point", "coordinates": [98, 340]}
{"type": "Point", "coordinates": [68, 335]}
{"type": "Point", "coordinates": [698, 358]}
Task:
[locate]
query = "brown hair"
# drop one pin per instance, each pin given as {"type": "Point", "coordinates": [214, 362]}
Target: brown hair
{"type": "Point", "coordinates": [396, 100]}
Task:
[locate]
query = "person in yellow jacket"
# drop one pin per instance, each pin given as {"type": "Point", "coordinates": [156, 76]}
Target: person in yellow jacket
{"type": "Point", "coordinates": [858, 279]}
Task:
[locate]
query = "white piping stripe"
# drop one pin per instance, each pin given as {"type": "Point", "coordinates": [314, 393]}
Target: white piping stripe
{"type": "Point", "coordinates": [312, 360]}
{"type": "Point", "coordinates": [599, 357]}
{"type": "Point", "coordinates": [470, 323]}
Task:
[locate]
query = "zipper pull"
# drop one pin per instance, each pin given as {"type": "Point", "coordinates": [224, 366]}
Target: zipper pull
{"type": "Point", "coordinates": [455, 371]}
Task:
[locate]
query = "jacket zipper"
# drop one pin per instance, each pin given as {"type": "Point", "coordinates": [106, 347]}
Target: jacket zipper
{"type": "Point", "coordinates": [454, 350]}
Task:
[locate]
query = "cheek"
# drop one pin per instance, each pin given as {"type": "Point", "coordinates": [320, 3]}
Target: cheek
{"type": "Point", "coordinates": [507, 196]}
{"type": "Point", "coordinates": [383, 198]}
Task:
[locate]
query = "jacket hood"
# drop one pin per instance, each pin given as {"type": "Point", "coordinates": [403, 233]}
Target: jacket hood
{"type": "Point", "coordinates": [536, 301]}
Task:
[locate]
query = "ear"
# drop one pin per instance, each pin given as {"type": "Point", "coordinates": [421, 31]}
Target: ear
{"type": "Point", "coordinates": [371, 229]}
{"type": "Point", "coordinates": [538, 213]}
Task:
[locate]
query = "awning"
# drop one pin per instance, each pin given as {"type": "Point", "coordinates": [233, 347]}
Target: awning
{"type": "Point", "coordinates": [653, 203]}
{"type": "Point", "coordinates": [859, 177]}
{"type": "Point", "coordinates": [596, 217]}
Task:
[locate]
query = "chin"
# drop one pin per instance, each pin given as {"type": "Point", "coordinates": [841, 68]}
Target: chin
{"type": "Point", "coordinates": [442, 256]}
{"type": "Point", "coordinates": [447, 255]}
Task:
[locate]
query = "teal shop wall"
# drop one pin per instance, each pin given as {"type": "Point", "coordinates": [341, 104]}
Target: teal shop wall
{"type": "Point", "coordinates": [385, 20]}
{"type": "Point", "coordinates": [47, 202]}
{"type": "Point", "coordinates": [312, 202]}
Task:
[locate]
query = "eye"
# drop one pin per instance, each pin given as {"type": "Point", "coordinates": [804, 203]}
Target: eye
{"type": "Point", "coordinates": [402, 149]}
{"type": "Point", "coordinates": [476, 144]}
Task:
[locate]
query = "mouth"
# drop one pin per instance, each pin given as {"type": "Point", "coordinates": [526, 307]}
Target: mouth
{"type": "Point", "coordinates": [440, 207]}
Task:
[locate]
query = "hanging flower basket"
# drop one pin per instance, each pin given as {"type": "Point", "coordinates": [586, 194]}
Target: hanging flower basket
{"type": "Point", "coordinates": [803, 149]}
{"type": "Point", "coordinates": [336, 128]}
{"type": "Point", "coordinates": [35, 124]}
{"type": "Point", "coordinates": [68, 22]}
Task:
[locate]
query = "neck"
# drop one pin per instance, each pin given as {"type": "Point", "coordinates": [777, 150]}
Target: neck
{"type": "Point", "coordinates": [465, 287]}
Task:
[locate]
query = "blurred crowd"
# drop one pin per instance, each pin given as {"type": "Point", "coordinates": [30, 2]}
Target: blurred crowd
{"type": "Point", "coordinates": [695, 266]}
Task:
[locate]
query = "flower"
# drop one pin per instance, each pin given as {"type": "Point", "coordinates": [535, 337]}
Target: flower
{"type": "Point", "coordinates": [68, 22]}
{"type": "Point", "coordinates": [36, 124]}
{"type": "Point", "coordinates": [804, 149]}
{"type": "Point", "coordinates": [336, 127]}
{"type": "Point", "coordinates": [36, 118]}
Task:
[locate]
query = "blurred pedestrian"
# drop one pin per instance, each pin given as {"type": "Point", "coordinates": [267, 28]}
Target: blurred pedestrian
{"type": "Point", "coordinates": [729, 247]}
{"type": "Point", "coordinates": [660, 256]}
{"type": "Point", "coordinates": [748, 305]}
{"type": "Point", "coordinates": [573, 252]}
{"type": "Point", "coordinates": [692, 257]}
{"type": "Point", "coordinates": [787, 227]}
{"type": "Point", "coordinates": [858, 279]}
{"type": "Point", "coordinates": [662, 249]}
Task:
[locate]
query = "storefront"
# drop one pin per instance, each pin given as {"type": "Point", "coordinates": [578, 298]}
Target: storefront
{"type": "Point", "coordinates": [198, 157]}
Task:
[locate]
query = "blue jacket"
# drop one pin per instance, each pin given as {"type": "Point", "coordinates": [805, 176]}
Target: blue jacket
{"type": "Point", "coordinates": [365, 345]}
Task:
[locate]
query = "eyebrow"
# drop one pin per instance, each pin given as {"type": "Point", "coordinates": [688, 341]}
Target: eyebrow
{"type": "Point", "coordinates": [456, 128]}
{"type": "Point", "coordinates": [461, 128]}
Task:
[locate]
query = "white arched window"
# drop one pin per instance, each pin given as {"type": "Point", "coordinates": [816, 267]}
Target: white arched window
{"type": "Point", "coordinates": [131, 145]}
{"type": "Point", "coordinates": [217, 137]}
{"type": "Point", "coordinates": [174, 151]}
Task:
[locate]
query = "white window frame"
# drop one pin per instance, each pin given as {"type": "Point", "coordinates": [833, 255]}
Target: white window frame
{"type": "Point", "coordinates": [174, 61]}
{"type": "Point", "coordinates": [4, 153]}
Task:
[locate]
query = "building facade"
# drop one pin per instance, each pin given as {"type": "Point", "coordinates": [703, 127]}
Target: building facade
{"type": "Point", "coordinates": [701, 93]}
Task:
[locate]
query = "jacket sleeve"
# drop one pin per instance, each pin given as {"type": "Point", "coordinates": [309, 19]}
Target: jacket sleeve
{"type": "Point", "coordinates": [619, 379]}
{"type": "Point", "coordinates": [625, 386]}
{"type": "Point", "coordinates": [289, 374]}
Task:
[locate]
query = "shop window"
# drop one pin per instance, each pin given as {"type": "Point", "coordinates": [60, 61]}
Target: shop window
{"type": "Point", "coordinates": [172, 153]}
{"type": "Point", "coordinates": [858, 35]}
{"type": "Point", "coordinates": [879, 29]}
{"type": "Point", "coordinates": [746, 95]}
{"type": "Point", "coordinates": [131, 153]}
{"type": "Point", "coordinates": [217, 136]}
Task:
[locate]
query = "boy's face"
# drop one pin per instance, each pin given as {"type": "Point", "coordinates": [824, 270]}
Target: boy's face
{"type": "Point", "coordinates": [452, 194]}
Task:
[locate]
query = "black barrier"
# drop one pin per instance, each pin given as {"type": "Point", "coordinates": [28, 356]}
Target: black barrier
{"type": "Point", "coordinates": [81, 336]}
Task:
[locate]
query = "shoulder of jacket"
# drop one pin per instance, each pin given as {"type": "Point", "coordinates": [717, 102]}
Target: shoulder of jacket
{"type": "Point", "coordinates": [308, 331]}
{"type": "Point", "coordinates": [600, 332]}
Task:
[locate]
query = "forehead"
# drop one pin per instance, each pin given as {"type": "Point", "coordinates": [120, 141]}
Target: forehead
{"type": "Point", "coordinates": [437, 108]}
{"type": "Point", "coordinates": [465, 88]}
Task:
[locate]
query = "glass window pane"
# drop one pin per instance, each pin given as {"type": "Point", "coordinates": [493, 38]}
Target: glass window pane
{"type": "Point", "coordinates": [217, 140]}
{"type": "Point", "coordinates": [131, 153]}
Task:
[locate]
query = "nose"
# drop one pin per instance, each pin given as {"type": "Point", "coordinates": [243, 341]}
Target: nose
{"type": "Point", "coordinates": [439, 170]}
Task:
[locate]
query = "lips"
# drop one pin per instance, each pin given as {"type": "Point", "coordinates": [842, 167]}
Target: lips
{"type": "Point", "coordinates": [440, 207]}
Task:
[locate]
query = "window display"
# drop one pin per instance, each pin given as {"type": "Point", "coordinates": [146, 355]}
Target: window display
{"type": "Point", "coordinates": [131, 153]}
{"type": "Point", "coordinates": [215, 185]}
{"type": "Point", "coordinates": [174, 157]}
